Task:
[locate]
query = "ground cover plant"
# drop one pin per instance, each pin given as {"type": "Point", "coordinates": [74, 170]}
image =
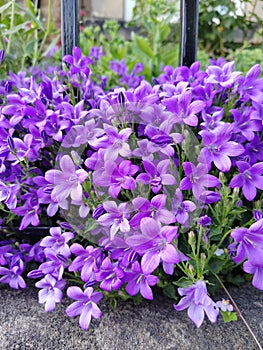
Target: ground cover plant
{"type": "Point", "coordinates": [152, 186]}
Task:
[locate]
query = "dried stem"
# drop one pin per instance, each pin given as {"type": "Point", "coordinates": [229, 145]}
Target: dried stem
{"type": "Point", "coordinates": [239, 312]}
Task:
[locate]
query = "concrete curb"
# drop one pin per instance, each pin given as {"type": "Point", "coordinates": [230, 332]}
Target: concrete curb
{"type": "Point", "coordinates": [152, 325]}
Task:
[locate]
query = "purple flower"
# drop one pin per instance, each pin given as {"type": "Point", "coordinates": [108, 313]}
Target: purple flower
{"type": "Point", "coordinates": [85, 306]}
{"type": "Point", "coordinates": [51, 292]}
{"type": "Point", "coordinates": [154, 208]}
{"type": "Point", "coordinates": [184, 110]}
{"type": "Point", "coordinates": [198, 303]}
{"type": "Point", "coordinates": [87, 261]}
{"type": "Point", "coordinates": [116, 177]}
{"type": "Point", "coordinates": [12, 276]}
{"type": "Point", "coordinates": [257, 214]}
{"type": "Point", "coordinates": [30, 214]}
{"type": "Point", "coordinates": [224, 305]}
{"type": "Point", "coordinates": [96, 52]}
{"type": "Point", "coordinates": [117, 144]}
{"type": "Point", "coordinates": [157, 176]}
{"type": "Point", "coordinates": [78, 63]}
{"type": "Point", "coordinates": [250, 243]}
{"type": "Point", "coordinates": [8, 194]}
{"type": "Point", "coordinates": [66, 182]}
{"type": "Point", "coordinates": [250, 86]}
{"type": "Point", "coordinates": [181, 208]}
{"type": "Point", "coordinates": [54, 264]}
{"type": "Point", "coordinates": [2, 55]}
{"type": "Point", "coordinates": [205, 221]}
{"type": "Point", "coordinates": [58, 241]}
{"type": "Point", "coordinates": [155, 245]}
{"type": "Point", "coordinates": [224, 77]}
{"type": "Point", "coordinates": [110, 275]}
{"type": "Point", "coordinates": [197, 178]}
{"type": "Point", "coordinates": [249, 179]}
{"type": "Point", "coordinates": [116, 217]}
{"type": "Point", "coordinates": [257, 271]}
{"type": "Point", "coordinates": [219, 147]}
{"type": "Point", "coordinates": [139, 281]}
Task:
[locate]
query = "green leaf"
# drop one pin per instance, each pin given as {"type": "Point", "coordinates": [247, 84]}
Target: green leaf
{"type": "Point", "coordinates": [183, 282]}
{"type": "Point", "coordinates": [5, 7]}
{"type": "Point", "coordinates": [51, 45]}
{"type": "Point", "coordinates": [170, 292]}
{"type": "Point", "coordinates": [216, 264]}
{"type": "Point", "coordinates": [113, 303]}
{"type": "Point", "coordinates": [143, 46]}
{"type": "Point", "coordinates": [16, 29]}
{"type": "Point", "coordinates": [228, 316]}
{"type": "Point", "coordinates": [29, 48]}
{"type": "Point", "coordinates": [31, 7]}
{"type": "Point", "coordinates": [31, 16]}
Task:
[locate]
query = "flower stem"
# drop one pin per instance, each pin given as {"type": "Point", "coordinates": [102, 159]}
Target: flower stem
{"type": "Point", "coordinates": [11, 26]}
{"type": "Point", "coordinates": [238, 311]}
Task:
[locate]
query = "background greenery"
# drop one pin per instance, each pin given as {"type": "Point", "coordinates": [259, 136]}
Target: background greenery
{"type": "Point", "coordinates": [154, 38]}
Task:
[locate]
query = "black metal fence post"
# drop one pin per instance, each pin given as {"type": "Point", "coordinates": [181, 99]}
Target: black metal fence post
{"type": "Point", "coordinates": [69, 25]}
{"type": "Point", "coordinates": [189, 32]}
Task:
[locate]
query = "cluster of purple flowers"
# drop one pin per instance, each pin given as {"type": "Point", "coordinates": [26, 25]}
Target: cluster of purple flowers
{"type": "Point", "coordinates": [132, 171]}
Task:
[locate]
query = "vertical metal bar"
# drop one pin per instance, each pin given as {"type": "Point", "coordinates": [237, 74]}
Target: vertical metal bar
{"type": "Point", "coordinates": [69, 25]}
{"type": "Point", "coordinates": [189, 32]}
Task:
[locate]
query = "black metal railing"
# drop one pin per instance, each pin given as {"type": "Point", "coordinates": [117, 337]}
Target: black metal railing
{"type": "Point", "coordinates": [189, 29]}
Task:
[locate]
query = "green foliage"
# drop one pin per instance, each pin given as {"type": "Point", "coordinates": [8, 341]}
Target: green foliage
{"type": "Point", "coordinates": [228, 316]}
{"type": "Point", "coordinates": [23, 35]}
{"type": "Point", "coordinates": [221, 22]}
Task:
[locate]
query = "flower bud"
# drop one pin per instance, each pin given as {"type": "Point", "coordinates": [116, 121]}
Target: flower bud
{"type": "Point", "coordinates": [191, 238]}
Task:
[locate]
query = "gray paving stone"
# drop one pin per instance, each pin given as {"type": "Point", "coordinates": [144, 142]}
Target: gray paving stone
{"type": "Point", "coordinates": [153, 325]}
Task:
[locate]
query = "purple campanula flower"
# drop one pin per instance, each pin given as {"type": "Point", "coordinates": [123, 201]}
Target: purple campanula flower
{"type": "Point", "coordinates": [197, 301]}
{"type": "Point", "coordinates": [144, 150]}
{"type": "Point", "coordinates": [181, 208]}
{"type": "Point", "coordinates": [116, 217]}
{"type": "Point", "coordinates": [185, 111]}
{"type": "Point", "coordinates": [51, 292]}
{"type": "Point", "coordinates": [219, 147]}
{"type": "Point", "coordinates": [8, 194]}
{"type": "Point", "coordinates": [249, 178]}
{"type": "Point", "coordinates": [12, 276]}
{"type": "Point", "coordinates": [98, 211]}
{"type": "Point", "coordinates": [87, 261]}
{"type": "Point", "coordinates": [2, 56]}
{"type": "Point", "coordinates": [250, 86]}
{"type": "Point", "coordinates": [250, 243]}
{"type": "Point", "coordinates": [224, 305]}
{"type": "Point", "coordinates": [66, 182]}
{"type": "Point", "coordinates": [96, 52]}
{"type": "Point", "coordinates": [155, 245]}
{"type": "Point", "coordinates": [110, 275]}
{"type": "Point", "coordinates": [30, 214]}
{"type": "Point", "coordinates": [139, 281]}
{"type": "Point", "coordinates": [54, 265]}
{"type": "Point", "coordinates": [224, 77]}
{"type": "Point", "coordinates": [212, 120]}
{"type": "Point", "coordinates": [154, 208]}
{"type": "Point", "coordinates": [85, 305]}
{"type": "Point", "coordinates": [117, 144]}
{"type": "Point", "coordinates": [78, 63]}
{"type": "Point", "coordinates": [197, 178]}
{"type": "Point", "coordinates": [205, 221]}
{"type": "Point", "coordinates": [156, 176]}
{"type": "Point", "coordinates": [254, 150]}
{"type": "Point", "coordinates": [257, 270]}
{"type": "Point", "coordinates": [116, 176]}
{"type": "Point", "coordinates": [244, 124]}
{"type": "Point", "coordinates": [58, 241]}
{"type": "Point", "coordinates": [257, 214]}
